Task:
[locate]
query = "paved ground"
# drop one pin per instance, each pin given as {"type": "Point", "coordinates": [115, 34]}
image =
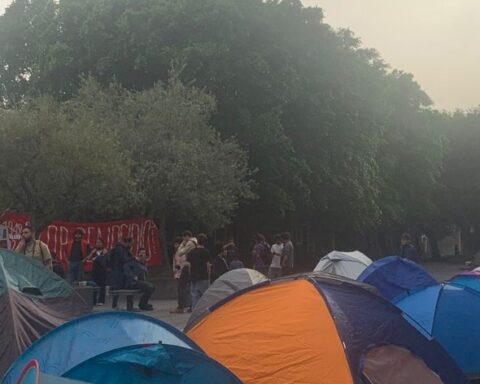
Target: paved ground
{"type": "Point", "coordinates": [161, 311]}
{"type": "Point", "coordinates": [444, 270]}
{"type": "Point", "coordinates": [441, 271]}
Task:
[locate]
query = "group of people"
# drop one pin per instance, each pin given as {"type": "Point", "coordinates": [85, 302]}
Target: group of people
{"type": "Point", "coordinates": [117, 266]}
{"type": "Point", "coordinates": [275, 260]}
{"type": "Point", "coordinates": [194, 267]}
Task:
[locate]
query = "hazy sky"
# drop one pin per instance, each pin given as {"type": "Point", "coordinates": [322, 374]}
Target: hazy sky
{"type": "Point", "coordinates": [437, 40]}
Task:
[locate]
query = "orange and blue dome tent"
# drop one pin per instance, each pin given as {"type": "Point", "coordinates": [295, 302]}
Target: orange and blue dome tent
{"type": "Point", "coordinates": [316, 328]}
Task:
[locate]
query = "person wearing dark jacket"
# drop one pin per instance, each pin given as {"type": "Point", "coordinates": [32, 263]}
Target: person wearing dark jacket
{"type": "Point", "coordinates": [136, 278]}
{"type": "Point", "coordinates": [407, 249]}
{"type": "Point", "coordinates": [77, 252]}
{"type": "Point", "coordinates": [219, 266]}
{"type": "Point", "coordinates": [119, 255]}
{"type": "Point", "coordinates": [99, 271]}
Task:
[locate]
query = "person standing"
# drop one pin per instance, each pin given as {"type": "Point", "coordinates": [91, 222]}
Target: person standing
{"type": "Point", "coordinates": [235, 262]}
{"type": "Point", "coordinates": [35, 249]}
{"type": "Point", "coordinates": [232, 250]}
{"type": "Point", "coordinates": [77, 252]}
{"type": "Point", "coordinates": [199, 260]}
{"type": "Point", "coordinates": [275, 270]}
{"type": "Point", "coordinates": [181, 271]}
{"type": "Point", "coordinates": [99, 271]}
{"type": "Point", "coordinates": [136, 271]}
{"type": "Point", "coordinates": [182, 277]}
{"type": "Point", "coordinates": [119, 255]}
{"type": "Point", "coordinates": [219, 266]}
{"type": "Point", "coordinates": [261, 254]}
{"type": "Point", "coordinates": [288, 261]}
{"type": "Point", "coordinates": [407, 249]}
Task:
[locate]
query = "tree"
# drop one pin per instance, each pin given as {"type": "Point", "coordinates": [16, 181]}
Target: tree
{"type": "Point", "coordinates": [179, 163]}
{"type": "Point", "coordinates": [336, 137]}
{"type": "Point", "coordinates": [53, 167]}
{"type": "Point", "coordinates": [460, 195]}
{"type": "Point", "coordinates": [111, 152]}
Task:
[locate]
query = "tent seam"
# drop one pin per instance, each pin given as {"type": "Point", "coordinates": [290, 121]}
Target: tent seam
{"type": "Point", "coordinates": [340, 336]}
{"type": "Point", "coordinates": [436, 308]}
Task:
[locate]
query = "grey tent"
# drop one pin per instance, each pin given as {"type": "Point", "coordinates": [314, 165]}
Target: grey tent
{"type": "Point", "coordinates": [223, 287]}
{"type": "Point", "coordinates": [346, 264]}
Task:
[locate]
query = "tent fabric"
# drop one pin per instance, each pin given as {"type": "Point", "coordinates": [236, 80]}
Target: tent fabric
{"type": "Point", "coordinates": [152, 363]}
{"type": "Point", "coordinates": [450, 314]}
{"type": "Point", "coordinates": [49, 379]}
{"type": "Point", "coordinates": [388, 364]}
{"type": "Point", "coordinates": [311, 329]}
{"type": "Point", "coordinates": [223, 287]}
{"type": "Point", "coordinates": [467, 279]}
{"type": "Point", "coordinates": [319, 359]}
{"type": "Point", "coordinates": [365, 319]}
{"type": "Point", "coordinates": [25, 317]}
{"type": "Point", "coordinates": [346, 264]}
{"type": "Point", "coordinates": [81, 339]}
{"type": "Point", "coordinates": [395, 277]}
{"type": "Point", "coordinates": [31, 375]}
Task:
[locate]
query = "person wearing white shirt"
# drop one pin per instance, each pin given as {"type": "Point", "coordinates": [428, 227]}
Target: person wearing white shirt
{"type": "Point", "coordinates": [275, 270]}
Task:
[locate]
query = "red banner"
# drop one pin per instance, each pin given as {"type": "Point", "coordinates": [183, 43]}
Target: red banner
{"type": "Point", "coordinates": [12, 224]}
{"type": "Point", "coordinates": [143, 231]}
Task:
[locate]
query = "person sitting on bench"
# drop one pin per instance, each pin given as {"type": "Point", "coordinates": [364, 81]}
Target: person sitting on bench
{"type": "Point", "coordinates": [136, 278]}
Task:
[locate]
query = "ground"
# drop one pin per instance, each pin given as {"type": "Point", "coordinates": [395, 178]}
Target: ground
{"type": "Point", "coordinates": [441, 271]}
{"type": "Point", "coordinates": [161, 311]}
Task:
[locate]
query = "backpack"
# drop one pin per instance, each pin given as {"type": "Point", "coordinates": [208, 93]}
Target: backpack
{"type": "Point", "coordinates": [266, 255]}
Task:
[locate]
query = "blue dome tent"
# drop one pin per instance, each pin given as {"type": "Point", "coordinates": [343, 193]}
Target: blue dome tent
{"type": "Point", "coordinates": [469, 279]}
{"type": "Point", "coordinates": [159, 363]}
{"type": "Point", "coordinates": [31, 375]}
{"type": "Point", "coordinates": [450, 314]}
{"type": "Point", "coordinates": [81, 339]}
{"type": "Point", "coordinates": [395, 277]}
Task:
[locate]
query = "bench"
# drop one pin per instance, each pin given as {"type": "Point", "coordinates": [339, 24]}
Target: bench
{"type": "Point", "coordinates": [128, 293]}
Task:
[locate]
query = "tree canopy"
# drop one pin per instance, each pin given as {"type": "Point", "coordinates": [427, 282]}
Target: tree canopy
{"type": "Point", "coordinates": [330, 132]}
{"type": "Point", "coordinates": [112, 152]}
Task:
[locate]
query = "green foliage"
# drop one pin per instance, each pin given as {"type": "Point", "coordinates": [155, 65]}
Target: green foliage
{"type": "Point", "coordinates": [106, 153]}
{"type": "Point", "coordinates": [460, 196]}
{"type": "Point", "coordinates": [54, 167]}
{"type": "Point", "coordinates": [335, 137]}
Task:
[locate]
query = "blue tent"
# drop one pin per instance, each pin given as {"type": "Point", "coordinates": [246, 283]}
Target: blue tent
{"type": "Point", "coordinates": [450, 314]}
{"type": "Point", "coordinates": [81, 339]}
{"type": "Point", "coordinates": [159, 363]}
{"type": "Point", "coordinates": [467, 279]}
{"type": "Point", "coordinates": [31, 375]}
{"type": "Point", "coordinates": [395, 277]}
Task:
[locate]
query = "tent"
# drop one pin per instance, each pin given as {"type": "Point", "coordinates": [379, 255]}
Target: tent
{"type": "Point", "coordinates": [346, 264]}
{"type": "Point", "coordinates": [469, 279]}
{"type": "Point", "coordinates": [223, 287]}
{"type": "Point", "coordinates": [81, 339]}
{"type": "Point", "coordinates": [450, 314]}
{"type": "Point", "coordinates": [33, 300]}
{"type": "Point", "coordinates": [395, 277]}
{"type": "Point", "coordinates": [317, 328]}
{"type": "Point", "coordinates": [157, 363]}
{"type": "Point", "coordinates": [31, 375]}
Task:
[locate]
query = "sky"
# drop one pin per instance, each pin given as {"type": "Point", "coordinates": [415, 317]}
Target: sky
{"type": "Point", "coordinates": [436, 40]}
